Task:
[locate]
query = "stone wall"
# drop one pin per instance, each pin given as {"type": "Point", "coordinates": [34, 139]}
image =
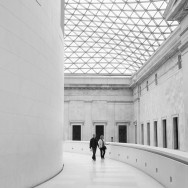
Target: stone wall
{"type": "Point", "coordinates": [167, 98]}
{"type": "Point", "coordinates": [163, 100]}
{"type": "Point", "coordinates": [93, 101]}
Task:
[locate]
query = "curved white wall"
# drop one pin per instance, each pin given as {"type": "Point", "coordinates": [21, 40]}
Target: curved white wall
{"type": "Point", "coordinates": [167, 166]}
{"type": "Point", "coordinates": [31, 92]}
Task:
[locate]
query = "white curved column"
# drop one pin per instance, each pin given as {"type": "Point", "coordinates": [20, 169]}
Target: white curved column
{"type": "Point", "coordinates": [31, 92]}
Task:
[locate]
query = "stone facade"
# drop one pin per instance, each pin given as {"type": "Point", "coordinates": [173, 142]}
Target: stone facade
{"type": "Point", "coordinates": [102, 102]}
{"type": "Point", "coordinates": [162, 100]}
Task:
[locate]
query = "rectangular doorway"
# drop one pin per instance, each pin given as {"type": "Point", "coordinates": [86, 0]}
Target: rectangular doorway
{"type": "Point", "coordinates": [76, 132]}
{"type": "Point", "coordinates": [99, 130]}
{"type": "Point", "coordinates": [175, 133]}
{"type": "Point", "coordinates": [164, 133]}
{"type": "Point", "coordinates": [122, 133]}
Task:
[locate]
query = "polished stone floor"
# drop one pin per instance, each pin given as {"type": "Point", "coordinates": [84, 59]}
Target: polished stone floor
{"type": "Point", "coordinates": [81, 172]}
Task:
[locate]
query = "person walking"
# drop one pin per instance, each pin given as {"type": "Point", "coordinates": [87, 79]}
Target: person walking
{"type": "Point", "coordinates": [102, 146]}
{"type": "Point", "coordinates": [93, 146]}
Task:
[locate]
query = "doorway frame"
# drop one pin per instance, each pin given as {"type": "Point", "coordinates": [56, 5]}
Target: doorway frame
{"type": "Point", "coordinates": [72, 123]}
{"type": "Point", "coordinates": [121, 123]}
{"type": "Point", "coordinates": [102, 123]}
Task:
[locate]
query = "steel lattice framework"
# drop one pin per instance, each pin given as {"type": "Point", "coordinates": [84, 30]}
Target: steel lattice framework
{"type": "Point", "coordinates": [113, 36]}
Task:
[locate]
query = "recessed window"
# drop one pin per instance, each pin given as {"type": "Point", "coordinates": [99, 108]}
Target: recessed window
{"type": "Point", "coordinates": [148, 134]}
{"type": "Point", "coordinates": [147, 86]}
{"type": "Point", "coordinates": [156, 79]}
{"type": "Point", "coordinates": [135, 133]}
{"type": "Point", "coordinates": [142, 133]}
{"type": "Point", "coordinates": [164, 133]}
{"type": "Point", "coordinates": [179, 61]}
{"type": "Point", "coordinates": [155, 134]}
{"type": "Point", "coordinates": [140, 90]}
{"type": "Point", "coordinates": [175, 133]}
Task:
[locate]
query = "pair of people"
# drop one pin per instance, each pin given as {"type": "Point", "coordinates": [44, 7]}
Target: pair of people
{"type": "Point", "coordinates": [101, 144]}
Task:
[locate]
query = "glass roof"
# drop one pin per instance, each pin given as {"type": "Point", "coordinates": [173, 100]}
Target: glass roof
{"type": "Point", "coordinates": [113, 37]}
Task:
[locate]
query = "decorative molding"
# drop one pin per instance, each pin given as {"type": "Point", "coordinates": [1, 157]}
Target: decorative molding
{"type": "Point", "coordinates": [175, 115]}
{"type": "Point", "coordinates": [95, 86]}
{"type": "Point", "coordinates": [76, 122]}
{"type": "Point", "coordinates": [107, 101]}
{"type": "Point", "coordinates": [126, 123]}
{"type": "Point", "coordinates": [155, 119]}
{"type": "Point", "coordinates": [176, 10]}
{"type": "Point", "coordinates": [121, 102]}
{"type": "Point", "coordinates": [164, 117]}
{"type": "Point", "coordinates": [100, 122]}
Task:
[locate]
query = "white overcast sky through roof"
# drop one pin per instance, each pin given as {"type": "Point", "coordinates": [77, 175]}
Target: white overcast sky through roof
{"type": "Point", "coordinates": [113, 37]}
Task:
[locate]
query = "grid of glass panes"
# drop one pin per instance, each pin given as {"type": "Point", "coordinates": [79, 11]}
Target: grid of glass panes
{"type": "Point", "coordinates": [113, 36]}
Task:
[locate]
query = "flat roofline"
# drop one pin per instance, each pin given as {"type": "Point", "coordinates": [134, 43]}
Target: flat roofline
{"type": "Point", "coordinates": [97, 81]}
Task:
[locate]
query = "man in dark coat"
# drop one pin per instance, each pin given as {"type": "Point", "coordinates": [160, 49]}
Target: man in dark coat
{"type": "Point", "coordinates": [93, 145]}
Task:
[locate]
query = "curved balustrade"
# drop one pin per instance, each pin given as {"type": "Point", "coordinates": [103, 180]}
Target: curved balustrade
{"type": "Point", "coordinates": [169, 167]}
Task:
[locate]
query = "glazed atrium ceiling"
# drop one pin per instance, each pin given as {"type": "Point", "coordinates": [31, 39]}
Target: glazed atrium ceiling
{"type": "Point", "coordinates": [113, 37]}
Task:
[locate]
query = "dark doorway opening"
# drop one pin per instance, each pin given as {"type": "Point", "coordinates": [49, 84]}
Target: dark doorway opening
{"type": "Point", "coordinates": [176, 134]}
{"type": "Point", "coordinates": [164, 133]}
{"type": "Point", "coordinates": [76, 132]}
{"type": "Point", "coordinates": [99, 131]}
{"type": "Point", "coordinates": [122, 133]}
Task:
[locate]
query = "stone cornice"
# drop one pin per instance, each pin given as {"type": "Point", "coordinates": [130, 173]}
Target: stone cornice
{"type": "Point", "coordinates": [96, 86]}
{"type": "Point", "coordinates": [168, 49]}
{"type": "Point", "coordinates": [96, 82]}
{"type": "Point", "coordinates": [108, 101]}
{"type": "Point", "coordinates": [176, 10]}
